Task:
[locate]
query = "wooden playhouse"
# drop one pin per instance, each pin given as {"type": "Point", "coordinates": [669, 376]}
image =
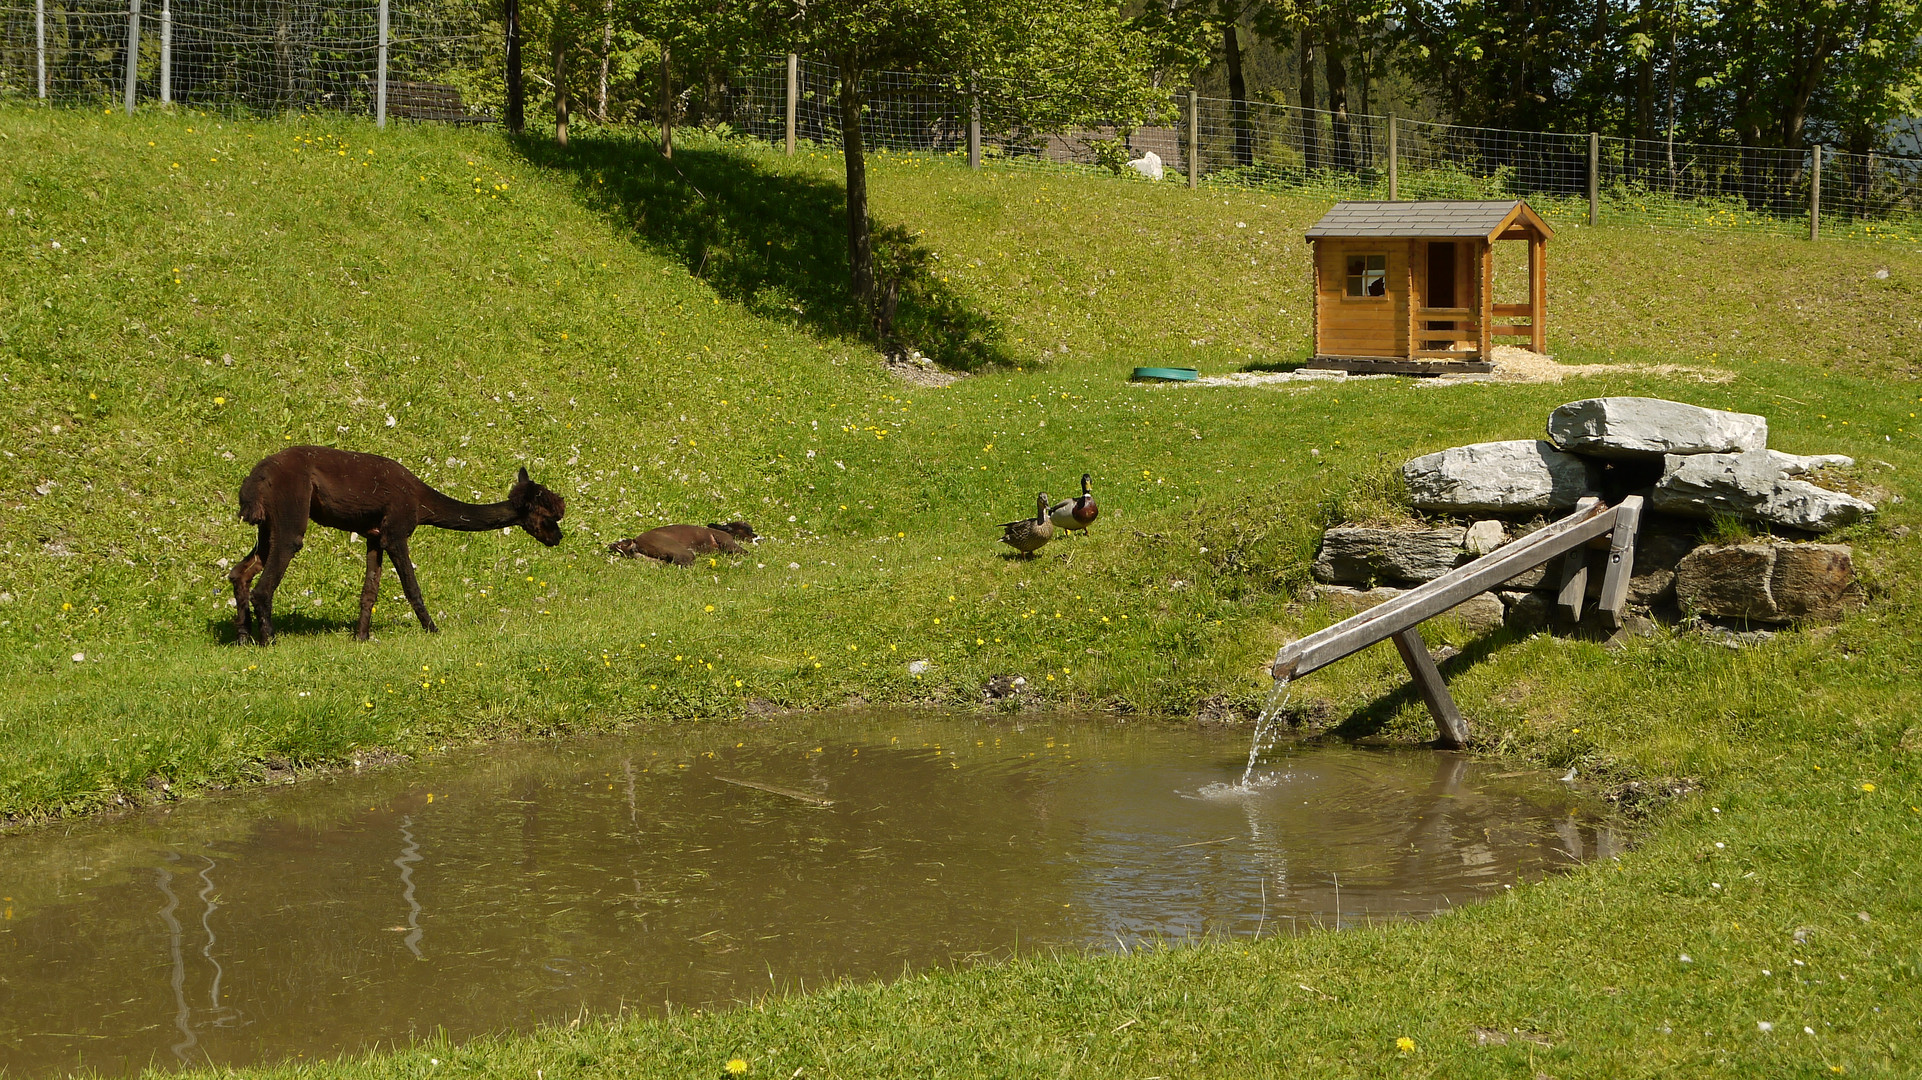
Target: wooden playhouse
{"type": "Point", "coordinates": [1408, 287]}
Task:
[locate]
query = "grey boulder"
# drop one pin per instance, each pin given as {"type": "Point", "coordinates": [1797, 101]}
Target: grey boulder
{"type": "Point", "coordinates": [1364, 556]}
{"type": "Point", "coordinates": [1757, 486]}
{"type": "Point", "coordinates": [1636, 427]}
{"type": "Point", "coordinates": [1519, 475]}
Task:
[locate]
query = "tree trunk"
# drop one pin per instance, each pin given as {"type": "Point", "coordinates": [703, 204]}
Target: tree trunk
{"type": "Point", "coordinates": [1310, 123]}
{"type": "Point", "coordinates": [607, 49]}
{"type": "Point", "coordinates": [860, 244]}
{"type": "Point", "coordinates": [1244, 135]}
{"type": "Point", "coordinates": [1343, 134]}
{"type": "Point", "coordinates": [516, 88]}
{"type": "Point", "coordinates": [667, 103]}
{"type": "Point", "coordinates": [560, 85]}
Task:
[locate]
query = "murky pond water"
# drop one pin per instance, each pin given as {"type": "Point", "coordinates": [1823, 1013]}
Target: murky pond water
{"type": "Point", "coordinates": [499, 888]}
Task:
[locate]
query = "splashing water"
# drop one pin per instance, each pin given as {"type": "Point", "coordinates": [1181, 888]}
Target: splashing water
{"type": "Point", "coordinates": [1267, 733]}
{"type": "Point", "coordinates": [1267, 727]}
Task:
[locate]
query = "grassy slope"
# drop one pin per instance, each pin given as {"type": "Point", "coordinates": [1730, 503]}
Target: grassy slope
{"type": "Point", "coordinates": [555, 323]}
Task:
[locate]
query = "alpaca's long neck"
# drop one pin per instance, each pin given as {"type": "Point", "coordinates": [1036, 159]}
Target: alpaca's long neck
{"type": "Point", "coordinates": [444, 512]}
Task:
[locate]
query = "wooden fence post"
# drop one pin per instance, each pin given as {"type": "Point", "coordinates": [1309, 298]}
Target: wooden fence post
{"type": "Point", "coordinates": [1815, 196]}
{"type": "Point", "coordinates": [1394, 160]}
{"type": "Point", "coordinates": [1194, 139]}
{"type": "Point", "coordinates": [793, 97]}
{"type": "Point", "coordinates": [974, 126]}
{"type": "Point", "coordinates": [167, 51]}
{"type": "Point", "coordinates": [380, 71]}
{"type": "Point", "coordinates": [133, 51]}
{"type": "Point", "coordinates": [1594, 177]}
{"type": "Point", "coordinates": [40, 44]}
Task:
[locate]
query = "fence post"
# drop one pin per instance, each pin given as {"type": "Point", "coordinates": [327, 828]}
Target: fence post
{"type": "Point", "coordinates": [1594, 177]}
{"type": "Point", "coordinates": [1194, 139]}
{"type": "Point", "coordinates": [974, 126]}
{"type": "Point", "coordinates": [40, 44]}
{"type": "Point", "coordinates": [1394, 164]}
{"type": "Point", "coordinates": [166, 52]}
{"type": "Point", "coordinates": [380, 72]}
{"type": "Point", "coordinates": [1815, 196]}
{"type": "Point", "coordinates": [133, 50]}
{"type": "Point", "coordinates": [793, 97]}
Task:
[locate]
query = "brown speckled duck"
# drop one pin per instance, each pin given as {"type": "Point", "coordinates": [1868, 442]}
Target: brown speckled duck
{"type": "Point", "coordinates": [1029, 534]}
{"type": "Point", "coordinates": [1075, 515]}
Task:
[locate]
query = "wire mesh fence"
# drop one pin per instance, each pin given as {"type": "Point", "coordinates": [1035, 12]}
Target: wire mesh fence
{"type": "Point", "coordinates": [282, 55]}
{"type": "Point", "coordinates": [250, 55]}
{"type": "Point", "coordinates": [1570, 177]}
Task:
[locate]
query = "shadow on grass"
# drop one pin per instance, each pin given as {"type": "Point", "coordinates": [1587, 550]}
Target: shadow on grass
{"type": "Point", "coordinates": [293, 624]}
{"type": "Point", "coordinates": [775, 244]}
{"type": "Point", "coordinates": [1371, 719]}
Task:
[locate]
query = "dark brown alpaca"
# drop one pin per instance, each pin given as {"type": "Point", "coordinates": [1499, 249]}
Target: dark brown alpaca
{"type": "Point", "coordinates": [679, 544]}
{"type": "Point", "coordinates": [359, 493]}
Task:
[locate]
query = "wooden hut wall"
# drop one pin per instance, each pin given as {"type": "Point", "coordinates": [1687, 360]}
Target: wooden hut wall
{"type": "Point", "coordinates": [1360, 326]}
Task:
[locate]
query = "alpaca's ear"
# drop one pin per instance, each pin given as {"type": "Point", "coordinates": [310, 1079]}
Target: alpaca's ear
{"type": "Point", "coordinates": [523, 476]}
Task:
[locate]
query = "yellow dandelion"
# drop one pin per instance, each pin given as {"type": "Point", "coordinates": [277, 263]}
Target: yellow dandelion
{"type": "Point", "coordinates": [1405, 1044]}
{"type": "Point", "coordinates": [1868, 787]}
{"type": "Point", "coordinates": [220, 401]}
{"type": "Point", "coordinates": [736, 1067]}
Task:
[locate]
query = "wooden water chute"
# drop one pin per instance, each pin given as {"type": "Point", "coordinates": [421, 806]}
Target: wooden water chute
{"type": "Point", "coordinates": [1408, 287]}
{"type": "Point", "coordinates": [1569, 538]}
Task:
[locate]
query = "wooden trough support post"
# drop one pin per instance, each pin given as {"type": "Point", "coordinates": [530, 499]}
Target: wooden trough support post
{"type": "Point", "coordinates": [1568, 600]}
{"type": "Point", "coordinates": [1450, 729]}
{"type": "Point", "coordinates": [1621, 561]}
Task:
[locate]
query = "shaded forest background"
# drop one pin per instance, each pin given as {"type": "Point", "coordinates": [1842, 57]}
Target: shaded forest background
{"type": "Point", "coordinates": [1776, 73]}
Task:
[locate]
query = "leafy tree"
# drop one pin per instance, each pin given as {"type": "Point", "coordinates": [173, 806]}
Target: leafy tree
{"type": "Point", "coordinates": [1073, 61]}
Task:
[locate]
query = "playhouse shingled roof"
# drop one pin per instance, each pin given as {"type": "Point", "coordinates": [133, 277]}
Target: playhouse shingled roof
{"type": "Point", "coordinates": [1422, 220]}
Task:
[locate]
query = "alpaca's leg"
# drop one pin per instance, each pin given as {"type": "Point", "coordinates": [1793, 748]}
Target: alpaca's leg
{"type": "Point", "coordinates": [286, 543]}
{"type": "Point", "coordinates": [404, 566]}
{"type": "Point", "coordinates": [369, 589]}
{"type": "Point", "coordinates": [241, 576]}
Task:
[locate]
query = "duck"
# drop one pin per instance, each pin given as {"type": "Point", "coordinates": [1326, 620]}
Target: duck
{"type": "Point", "coordinates": [1075, 515]}
{"type": "Point", "coordinates": [1029, 534]}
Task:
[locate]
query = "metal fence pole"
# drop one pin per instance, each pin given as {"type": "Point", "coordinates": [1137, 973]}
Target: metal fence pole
{"type": "Point", "coordinates": [974, 127]}
{"type": "Point", "coordinates": [133, 50]}
{"type": "Point", "coordinates": [1194, 139]}
{"type": "Point", "coordinates": [1394, 154]}
{"type": "Point", "coordinates": [1815, 196]}
{"type": "Point", "coordinates": [380, 72]}
{"type": "Point", "coordinates": [793, 97]}
{"type": "Point", "coordinates": [1594, 177]}
{"type": "Point", "coordinates": [40, 44]}
{"type": "Point", "coordinates": [166, 52]}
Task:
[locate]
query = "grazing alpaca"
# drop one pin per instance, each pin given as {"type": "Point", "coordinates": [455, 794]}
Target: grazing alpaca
{"type": "Point", "coordinates": [359, 493]}
{"type": "Point", "coordinates": [1029, 534]}
{"type": "Point", "coordinates": [678, 544]}
{"type": "Point", "coordinates": [1075, 515]}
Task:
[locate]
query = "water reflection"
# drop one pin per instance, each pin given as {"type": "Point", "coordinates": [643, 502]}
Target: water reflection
{"type": "Point", "coordinates": [707, 865]}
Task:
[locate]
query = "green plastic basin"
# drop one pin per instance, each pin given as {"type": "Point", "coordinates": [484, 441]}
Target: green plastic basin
{"type": "Point", "coordinates": [1169, 374]}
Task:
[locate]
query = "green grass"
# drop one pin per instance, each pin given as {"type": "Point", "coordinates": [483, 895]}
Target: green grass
{"type": "Point", "coordinates": [667, 343]}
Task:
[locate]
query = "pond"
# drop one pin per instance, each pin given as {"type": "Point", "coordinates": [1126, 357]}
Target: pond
{"type": "Point", "coordinates": [498, 888]}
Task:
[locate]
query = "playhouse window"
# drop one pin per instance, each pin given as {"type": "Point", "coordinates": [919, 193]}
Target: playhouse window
{"type": "Point", "coordinates": [1367, 275]}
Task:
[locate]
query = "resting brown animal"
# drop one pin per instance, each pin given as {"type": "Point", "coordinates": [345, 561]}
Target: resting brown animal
{"type": "Point", "coordinates": [679, 544]}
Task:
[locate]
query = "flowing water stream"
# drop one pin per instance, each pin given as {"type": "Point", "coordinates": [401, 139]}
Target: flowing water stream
{"type": "Point", "coordinates": [502, 887]}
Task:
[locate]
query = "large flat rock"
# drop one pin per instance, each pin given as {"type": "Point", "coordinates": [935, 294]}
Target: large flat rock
{"type": "Point", "coordinates": [1769, 582]}
{"type": "Point", "coordinates": [1635, 427]}
{"type": "Point", "coordinates": [1757, 486]}
{"type": "Point", "coordinates": [1519, 475]}
{"type": "Point", "coordinates": [1366, 556]}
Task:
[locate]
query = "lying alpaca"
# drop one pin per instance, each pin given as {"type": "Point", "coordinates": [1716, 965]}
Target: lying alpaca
{"type": "Point", "coordinates": [679, 544]}
{"type": "Point", "coordinates": [359, 493]}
